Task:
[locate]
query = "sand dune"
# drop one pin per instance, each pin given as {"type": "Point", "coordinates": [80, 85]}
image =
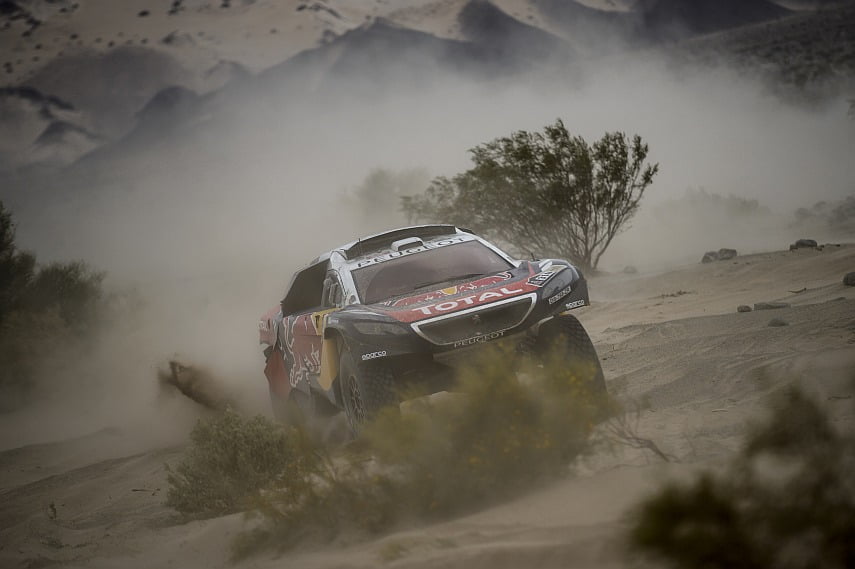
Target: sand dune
{"type": "Point", "coordinates": [699, 369]}
{"type": "Point", "coordinates": [217, 191]}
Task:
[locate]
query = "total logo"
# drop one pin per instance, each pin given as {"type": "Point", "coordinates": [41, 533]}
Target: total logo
{"type": "Point", "coordinates": [470, 300]}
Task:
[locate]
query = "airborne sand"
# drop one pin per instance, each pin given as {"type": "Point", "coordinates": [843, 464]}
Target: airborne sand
{"type": "Point", "coordinates": [672, 340]}
{"type": "Point", "coordinates": [209, 224]}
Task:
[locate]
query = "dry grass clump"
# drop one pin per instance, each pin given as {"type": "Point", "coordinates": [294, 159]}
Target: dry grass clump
{"type": "Point", "coordinates": [788, 500]}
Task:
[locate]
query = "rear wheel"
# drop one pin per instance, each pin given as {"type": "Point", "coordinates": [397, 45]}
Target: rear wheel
{"type": "Point", "coordinates": [563, 341]}
{"type": "Point", "coordinates": [365, 389]}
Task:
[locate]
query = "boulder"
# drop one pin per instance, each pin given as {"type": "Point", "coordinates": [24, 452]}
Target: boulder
{"type": "Point", "coordinates": [775, 322]}
{"type": "Point", "coordinates": [743, 308]}
{"type": "Point", "coordinates": [849, 279]}
{"type": "Point", "coordinates": [770, 305]}
{"type": "Point", "coordinates": [726, 254]}
{"type": "Point", "coordinates": [720, 255]}
{"type": "Point", "coordinates": [803, 244]}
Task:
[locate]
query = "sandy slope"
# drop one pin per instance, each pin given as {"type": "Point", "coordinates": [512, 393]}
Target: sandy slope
{"type": "Point", "coordinates": [673, 342]}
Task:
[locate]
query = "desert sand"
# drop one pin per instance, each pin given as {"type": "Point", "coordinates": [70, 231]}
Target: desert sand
{"type": "Point", "coordinates": [673, 346]}
{"type": "Point", "coordinates": [188, 152]}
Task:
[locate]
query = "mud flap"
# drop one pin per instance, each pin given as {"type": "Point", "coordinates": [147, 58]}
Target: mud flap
{"type": "Point", "coordinates": [329, 350]}
{"type": "Point", "coordinates": [277, 375]}
{"type": "Point", "coordinates": [329, 363]}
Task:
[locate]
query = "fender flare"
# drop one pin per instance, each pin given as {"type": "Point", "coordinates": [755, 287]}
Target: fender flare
{"type": "Point", "coordinates": [330, 356]}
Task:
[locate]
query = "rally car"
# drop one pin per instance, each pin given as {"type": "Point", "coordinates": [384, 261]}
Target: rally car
{"type": "Point", "coordinates": [410, 305]}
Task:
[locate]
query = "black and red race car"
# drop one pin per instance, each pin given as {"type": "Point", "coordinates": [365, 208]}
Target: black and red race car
{"type": "Point", "coordinates": [410, 305]}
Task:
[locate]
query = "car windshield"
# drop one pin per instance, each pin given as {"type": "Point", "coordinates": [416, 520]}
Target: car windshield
{"type": "Point", "coordinates": [427, 270]}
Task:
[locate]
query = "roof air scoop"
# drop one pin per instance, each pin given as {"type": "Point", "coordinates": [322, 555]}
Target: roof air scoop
{"type": "Point", "coordinates": [407, 243]}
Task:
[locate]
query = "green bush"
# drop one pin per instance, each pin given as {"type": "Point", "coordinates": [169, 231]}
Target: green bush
{"type": "Point", "coordinates": [41, 308]}
{"type": "Point", "coordinates": [24, 347]}
{"type": "Point", "coordinates": [378, 196]}
{"type": "Point", "coordinates": [788, 500]}
{"type": "Point", "coordinates": [72, 289]}
{"type": "Point", "coordinates": [16, 267]}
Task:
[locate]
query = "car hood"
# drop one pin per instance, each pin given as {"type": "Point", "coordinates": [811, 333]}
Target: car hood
{"type": "Point", "coordinates": [524, 280]}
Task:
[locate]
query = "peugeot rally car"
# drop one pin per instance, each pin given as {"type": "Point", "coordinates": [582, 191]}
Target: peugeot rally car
{"type": "Point", "coordinates": [410, 305]}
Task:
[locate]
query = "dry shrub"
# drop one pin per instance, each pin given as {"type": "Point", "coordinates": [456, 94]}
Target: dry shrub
{"type": "Point", "coordinates": [787, 500]}
{"type": "Point", "coordinates": [438, 457]}
{"type": "Point", "coordinates": [498, 436]}
{"type": "Point", "coordinates": [231, 460]}
{"type": "Point", "coordinates": [196, 383]}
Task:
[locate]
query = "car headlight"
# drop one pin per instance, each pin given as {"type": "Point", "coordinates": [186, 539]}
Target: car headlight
{"type": "Point", "coordinates": [380, 328]}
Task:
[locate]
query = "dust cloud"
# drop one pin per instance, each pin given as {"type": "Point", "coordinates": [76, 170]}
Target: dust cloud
{"type": "Point", "coordinates": [207, 222]}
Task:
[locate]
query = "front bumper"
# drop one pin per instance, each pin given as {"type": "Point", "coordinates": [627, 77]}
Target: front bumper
{"type": "Point", "coordinates": [440, 337]}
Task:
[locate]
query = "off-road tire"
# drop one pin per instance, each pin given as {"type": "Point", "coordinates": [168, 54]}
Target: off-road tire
{"type": "Point", "coordinates": [365, 389]}
{"type": "Point", "coordinates": [567, 335]}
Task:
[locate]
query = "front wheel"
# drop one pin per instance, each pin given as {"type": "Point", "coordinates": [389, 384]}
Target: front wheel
{"type": "Point", "coordinates": [564, 342]}
{"type": "Point", "coordinates": [365, 389]}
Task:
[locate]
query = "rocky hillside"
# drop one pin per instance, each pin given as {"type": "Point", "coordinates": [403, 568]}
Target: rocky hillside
{"type": "Point", "coordinates": [109, 61]}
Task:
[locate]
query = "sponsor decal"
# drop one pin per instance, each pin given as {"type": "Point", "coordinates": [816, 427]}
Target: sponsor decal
{"type": "Point", "coordinates": [450, 291]}
{"type": "Point", "coordinates": [574, 304]}
{"type": "Point", "coordinates": [479, 339]}
{"type": "Point", "coordinates": [424, 297]}
{"type": "Point", "coordinates": [411, 251]}
{"type": "Point", "coordinates": [267, 325]}
{"type": "Point", "coordinates": [373, 355]}
{"type": "Point", "coordinates": [302, 348]}
{"type": "Point", "coordinates": [544, 277]}
{"type": "Point", "coordinates": [486, 281]}
{"type": "Point", "coordinates": [470, 300]}
{"type": "Point", "coordinates": [560, 294]}
{"type": "Point", "coordinates": [266, 333]}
